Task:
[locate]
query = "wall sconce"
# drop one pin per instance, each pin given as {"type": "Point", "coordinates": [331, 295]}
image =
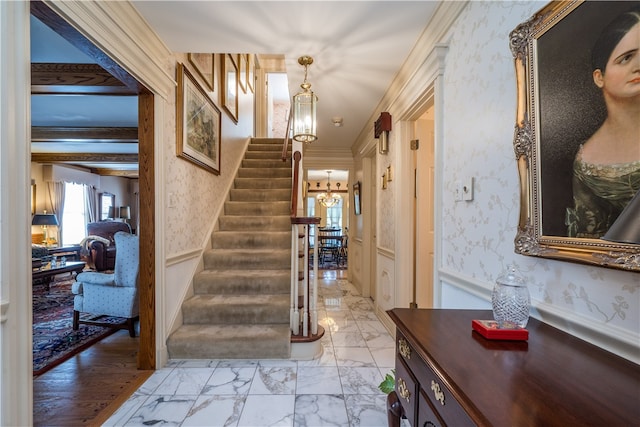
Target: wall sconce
{"type": "Point", "coordinates": [304, 108]}
{"type": "Point", "coordinates": [381, 130]}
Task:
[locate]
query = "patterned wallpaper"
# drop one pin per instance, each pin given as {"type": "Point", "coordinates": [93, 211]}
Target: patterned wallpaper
{"type": "Point", "coordinates": [197, 193]}
{"type": "Point", "coordinates": [478, 236]}
{"type": "Point", "coordinates": [387, 197]}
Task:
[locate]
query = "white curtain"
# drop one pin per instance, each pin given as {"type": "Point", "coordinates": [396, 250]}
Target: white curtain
{"type": "Point", "coordinates": [56, 202]}
{"type": "Point", "coordinates": [91, 207]}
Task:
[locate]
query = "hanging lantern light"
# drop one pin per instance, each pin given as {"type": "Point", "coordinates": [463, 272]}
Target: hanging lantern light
{"type": "Point", "coordinates": [304, 108]}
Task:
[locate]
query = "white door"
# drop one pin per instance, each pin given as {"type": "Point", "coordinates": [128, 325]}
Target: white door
{"type": "Point", "coordinates": [424, 210]}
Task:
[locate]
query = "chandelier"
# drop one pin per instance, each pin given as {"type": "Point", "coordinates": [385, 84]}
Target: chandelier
{"type": "Point", "coordinates": [329, 199]}
{"type": "Point", "coordinates": [304, 108]}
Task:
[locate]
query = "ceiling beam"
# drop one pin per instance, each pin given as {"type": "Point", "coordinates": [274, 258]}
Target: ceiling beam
{"type": "Point", "coordinates": [58, 78]}
{"type": "Point", "coordinates": [83, 157]}
{"type": "Point", "coordinates": [53, 20]}
{"type": "Point", "coordinates": [93, 134]}
{"type": "Point", "coordinates": [115, 172]}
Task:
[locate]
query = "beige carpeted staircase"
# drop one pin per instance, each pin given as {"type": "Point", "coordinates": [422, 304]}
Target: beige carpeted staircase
{"type": "Point", "coordinates": [240, 307]}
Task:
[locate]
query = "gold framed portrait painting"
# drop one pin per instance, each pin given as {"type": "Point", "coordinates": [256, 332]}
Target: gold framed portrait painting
{"type": "Point", "coordinates": [576, 201]}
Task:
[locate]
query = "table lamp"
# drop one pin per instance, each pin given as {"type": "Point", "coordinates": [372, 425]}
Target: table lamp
{"type": "Point", "coordinates": [124, 213]}
{"type": "Point", "coordinates": [45, 220]}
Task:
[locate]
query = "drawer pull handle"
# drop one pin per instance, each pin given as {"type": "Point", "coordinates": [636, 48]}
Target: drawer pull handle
{"type": "Point", "coordinates": [439, 395]}
{"type": "Point", "coordinates": [403, 390]}
{"type": "Point", "coordinates": [404, 349]}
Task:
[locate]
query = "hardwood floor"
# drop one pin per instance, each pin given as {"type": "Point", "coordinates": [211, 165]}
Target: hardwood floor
{"type": "Point", "coordinates": [89, 387]}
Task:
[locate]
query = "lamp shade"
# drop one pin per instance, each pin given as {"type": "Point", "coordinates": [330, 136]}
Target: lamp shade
{"type": "Point", "coordinates": [112, 212]}
{"type": "Point", "coordinates": [626, 228]}
{"type": "Point", "coordinates": [124, 212]}
{"type": "Point", "coordinates": [44, 219]}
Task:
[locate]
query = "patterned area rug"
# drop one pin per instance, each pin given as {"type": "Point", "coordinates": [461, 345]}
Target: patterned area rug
{"type": "Point", "coordinates": [54, 339]}
{"type": "Point", "coordinates": [328, 265]}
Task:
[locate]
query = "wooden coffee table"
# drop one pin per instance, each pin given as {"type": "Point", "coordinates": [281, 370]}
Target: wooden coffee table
{"type": "Point", "coordinates": [46, 273]}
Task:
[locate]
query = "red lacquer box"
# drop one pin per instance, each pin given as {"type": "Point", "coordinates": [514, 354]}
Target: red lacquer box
{"type": "Point", "coordinates": [490, 330]}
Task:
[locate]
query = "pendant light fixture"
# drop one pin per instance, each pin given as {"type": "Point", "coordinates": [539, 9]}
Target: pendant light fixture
{"type": "Point", "coordinates": [329, 199]}
{"type": "Point", "coordinates": [304, 108]}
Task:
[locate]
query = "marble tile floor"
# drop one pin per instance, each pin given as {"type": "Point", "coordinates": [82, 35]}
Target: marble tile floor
{"type": "Point", "coordinates": [338, 389]}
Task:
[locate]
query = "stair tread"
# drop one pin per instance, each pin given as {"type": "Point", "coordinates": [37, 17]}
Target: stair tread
{"type": "Point", "coordinates": [230, 341]}
{"type": "Point", "coordinates": [239, 330]}
{"type": "Point", "coordinates": [243, 299]}
{"type": "Point", "coordinates": [246, 273]}
{"type": "Point", "coordinates": [251, 251]}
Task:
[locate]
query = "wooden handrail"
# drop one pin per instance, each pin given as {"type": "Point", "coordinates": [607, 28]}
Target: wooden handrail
{"type": "Point", "coordinates": [297, 156]}
{"type": "Point", "coordinates": [285, 145]}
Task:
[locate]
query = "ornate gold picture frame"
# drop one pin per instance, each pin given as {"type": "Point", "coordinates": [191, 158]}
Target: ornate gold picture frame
{"type": "Point", "coordinates": [558, 108]}
{"type": "Point", "coordinates": [198, 123]}
{"type": "Point", "coordinates": [229, 72]}
{"type": "Point", "coordinates": [203, 63]}
{"type": "Point", "coordinates": [243, 71]}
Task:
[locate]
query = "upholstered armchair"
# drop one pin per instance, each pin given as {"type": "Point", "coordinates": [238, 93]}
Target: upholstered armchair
{"type": "Point", "coordinates": [110, 294]}
{"type": "Point", "coordinates": [102, 254]}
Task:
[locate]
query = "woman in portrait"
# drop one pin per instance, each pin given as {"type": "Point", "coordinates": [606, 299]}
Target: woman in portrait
{"type": "Point", "coordinates": [606, 169]}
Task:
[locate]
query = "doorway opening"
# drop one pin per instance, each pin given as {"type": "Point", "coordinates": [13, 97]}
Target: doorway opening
{"type": "Point", "coordinates": [423, 159]}
{"type": "Point", "coordinates": [144, 357]}
{"type": "Point", "coordinates": [278, 104]}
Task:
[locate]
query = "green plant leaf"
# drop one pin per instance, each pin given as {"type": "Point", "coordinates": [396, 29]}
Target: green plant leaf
{"type": "Point", "coordinates": [389, 383]}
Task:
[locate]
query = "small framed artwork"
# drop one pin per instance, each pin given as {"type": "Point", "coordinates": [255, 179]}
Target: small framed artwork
{"type": "Point", "coordinates": [197, 124]}
{"type": "Point", "coordinates": [203, 64]}
{"type": "Point", "coordinates": [229, 72]}
{"type": "Point", "coordinates": [251, 69]}
{"type": "Point", "coordinates": [356, 198]}
{"type": "Point", "coordinates": [242, 79]}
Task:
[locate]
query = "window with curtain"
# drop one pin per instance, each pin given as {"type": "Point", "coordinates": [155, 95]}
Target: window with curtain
{"type": "Point", "coordinates": [74, 214]}
{"type": "Point", "coordinates": [334, 215]}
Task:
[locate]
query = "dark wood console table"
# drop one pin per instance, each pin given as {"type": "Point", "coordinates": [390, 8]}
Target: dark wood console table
{"type": "Point", "coordinates": [447, 374]}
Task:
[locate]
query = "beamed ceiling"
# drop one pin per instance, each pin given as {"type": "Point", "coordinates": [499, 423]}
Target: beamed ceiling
{"type": "Point", "coordinates": [103, 150]}
{"type": "Point", "coordinates": [84, 107]}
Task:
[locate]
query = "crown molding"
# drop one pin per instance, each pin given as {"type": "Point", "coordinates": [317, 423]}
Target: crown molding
{"type": "Point", "coordinates": [120, 32]}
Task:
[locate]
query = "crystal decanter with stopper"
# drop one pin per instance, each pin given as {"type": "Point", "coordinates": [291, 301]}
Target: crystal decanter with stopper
{"type": "Point", "coordinates": [510, 300]}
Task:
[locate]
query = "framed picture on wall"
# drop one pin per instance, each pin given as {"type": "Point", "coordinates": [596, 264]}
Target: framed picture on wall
{"type": "Point", "coordinates": [242, 79]}
{"type": "Point", "coordinates": [229, 72]}
{"type": "Point", "coordinates": [356, 198]}
{"type": "Point", "coordinates": [197, 124]}
{"type": "Point", "coordinates": [569, 199]}
{"type": "Point", "coordinates": [251, 70]}
{"type": "Point", "coordinates": [203, 63]}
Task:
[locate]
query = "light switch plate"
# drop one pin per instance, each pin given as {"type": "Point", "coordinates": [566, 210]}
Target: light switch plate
{"type": "Point", "coordinates": [467, 190]}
